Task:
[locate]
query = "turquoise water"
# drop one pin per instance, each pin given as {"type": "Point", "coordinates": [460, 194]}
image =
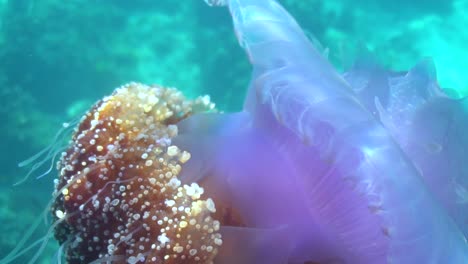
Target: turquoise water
{"type": "Point", "coordinates": [59, 57]}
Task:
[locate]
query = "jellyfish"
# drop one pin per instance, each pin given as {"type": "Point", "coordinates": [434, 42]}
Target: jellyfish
{"type": "Point", "coordinates": [118, 197]}
{"type": "Point", "coordinates": [318, 167]}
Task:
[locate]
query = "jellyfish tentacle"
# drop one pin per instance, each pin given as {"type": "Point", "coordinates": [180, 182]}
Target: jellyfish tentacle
{"type": "Point", "coordinates": [283, 78]}
{"type": "Point", "coordinates": [254, 245]}
{"type": "Point", "coordinates": [425, 122]}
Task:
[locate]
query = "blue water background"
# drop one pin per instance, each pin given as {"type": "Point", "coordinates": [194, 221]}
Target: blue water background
{"type": "Point", "coordinates": [58, 57]}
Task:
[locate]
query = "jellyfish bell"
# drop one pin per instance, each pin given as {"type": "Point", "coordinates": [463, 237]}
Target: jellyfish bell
{"type": "Point", "coordinates": [118, 188]}
{"type": "Point", "coordinates": [118, 197]}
